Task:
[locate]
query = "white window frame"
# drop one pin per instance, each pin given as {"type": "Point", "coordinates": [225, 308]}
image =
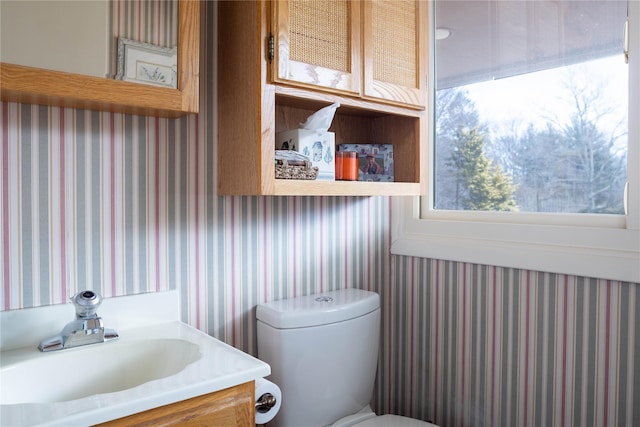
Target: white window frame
{"type": "Point", "coordinates": [601, 246]}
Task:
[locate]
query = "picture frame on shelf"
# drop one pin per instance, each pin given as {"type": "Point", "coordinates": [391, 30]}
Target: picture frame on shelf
{"type": "Point", "coordinates": [147, 63]}
{"type": "Point", "coordinates": [375, 161]}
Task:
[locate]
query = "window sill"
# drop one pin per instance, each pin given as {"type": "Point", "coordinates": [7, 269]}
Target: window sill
{"type": "Point", "coordinates": [600, 252]}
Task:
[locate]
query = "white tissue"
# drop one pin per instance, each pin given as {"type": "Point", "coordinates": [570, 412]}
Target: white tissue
{"type": "Point", "coordinates": [265, 386]}
{"type": "Point", "coordinates": [320, 121]}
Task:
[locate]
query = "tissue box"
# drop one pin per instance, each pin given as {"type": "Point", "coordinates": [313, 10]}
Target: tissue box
{"type": "Point", "coordinates": [319, 148]}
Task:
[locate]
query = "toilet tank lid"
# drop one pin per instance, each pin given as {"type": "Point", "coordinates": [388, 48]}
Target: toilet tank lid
{"type": "Point", "coordinates": [318, 309]}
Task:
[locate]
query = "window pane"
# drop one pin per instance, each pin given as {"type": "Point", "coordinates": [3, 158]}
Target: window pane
{"type": "Point", "coordinates": [531, 106]}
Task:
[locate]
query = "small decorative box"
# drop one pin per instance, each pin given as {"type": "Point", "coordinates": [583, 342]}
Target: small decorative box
{"type": "Point", "coordinates": [293, 165]}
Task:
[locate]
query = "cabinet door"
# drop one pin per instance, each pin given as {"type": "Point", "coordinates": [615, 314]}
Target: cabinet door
{"type": "Point", "coordinates": [231, 407]}
{"type": "Point", "coordinates": [318, 43]}
{"type": "Point", "coordinates": [395, 58]}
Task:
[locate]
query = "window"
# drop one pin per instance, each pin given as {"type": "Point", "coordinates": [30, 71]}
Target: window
{"type": "Point", "coordinates": [531, 107]}
{"type": "Point", "coordinates": [535, 134]}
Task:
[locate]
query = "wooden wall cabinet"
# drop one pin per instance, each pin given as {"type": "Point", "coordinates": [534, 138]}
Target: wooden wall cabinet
{"type": "Point", "coordinates": [254, 104]}
{"type": "Point", "coordinates": [46, 87]}
{"type": "Point", "coordinates": [374, 49]}
{"type": "Point", "coordinates": [231, 407]}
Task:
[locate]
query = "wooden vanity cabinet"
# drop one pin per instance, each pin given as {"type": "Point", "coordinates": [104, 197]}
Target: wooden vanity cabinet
{"type": "Point", "coordinates": [254, 104]}
{"type": "Point", "coordinates": [231, 407]}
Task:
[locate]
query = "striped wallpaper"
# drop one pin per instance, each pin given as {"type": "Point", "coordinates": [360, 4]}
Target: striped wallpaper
{"type": "Point", "coordinates": [127, 204]}
{"type": "Point", "coordinates": [472, 345]}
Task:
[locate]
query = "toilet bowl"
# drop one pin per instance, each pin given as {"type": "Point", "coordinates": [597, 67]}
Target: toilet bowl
{"type": "Point", "coordinates": [323, 352]}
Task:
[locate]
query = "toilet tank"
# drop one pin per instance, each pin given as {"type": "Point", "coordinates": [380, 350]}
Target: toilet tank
{"type": "Point", "coordinates": [323, 352]}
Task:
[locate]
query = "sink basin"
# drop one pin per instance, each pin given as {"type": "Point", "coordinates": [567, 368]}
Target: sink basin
{"type": "Point", "coordinates": [95, 369]}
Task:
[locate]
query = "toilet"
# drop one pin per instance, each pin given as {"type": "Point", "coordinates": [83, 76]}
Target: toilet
{"type": "Point", "coordinates": [323, 352]}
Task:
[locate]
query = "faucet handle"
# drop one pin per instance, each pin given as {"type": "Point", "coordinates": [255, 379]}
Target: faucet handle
{"type": "Point", "coordinates": [86, 303]}
{"type": "Point", "coordinates": [93, 325]}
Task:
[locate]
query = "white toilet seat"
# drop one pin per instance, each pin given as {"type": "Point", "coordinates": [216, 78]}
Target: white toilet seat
{"type": "Point", "coordinates": [393, 421]}
{"type": "Point", "coordinates": [367, 418]}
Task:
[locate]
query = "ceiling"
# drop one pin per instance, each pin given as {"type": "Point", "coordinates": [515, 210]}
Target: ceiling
{"type": "Point", "coordinates": [500, 38]}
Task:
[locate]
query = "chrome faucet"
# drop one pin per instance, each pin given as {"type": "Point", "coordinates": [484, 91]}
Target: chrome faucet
{"type": "Point", "coordinates": [85, 329]}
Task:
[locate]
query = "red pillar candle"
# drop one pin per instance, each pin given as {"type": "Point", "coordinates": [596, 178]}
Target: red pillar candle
{"type": "Point", "coordinates": [339, 163]}
{"type": "Point", "coordinates": [350, 166]}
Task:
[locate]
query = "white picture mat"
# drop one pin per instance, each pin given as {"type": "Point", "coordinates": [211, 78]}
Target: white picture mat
{"type": "Point", "coordinates": [147, 63]}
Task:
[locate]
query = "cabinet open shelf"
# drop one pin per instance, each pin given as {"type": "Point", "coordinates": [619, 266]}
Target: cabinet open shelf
{"type": "Point", "coordinates": [356, 124]}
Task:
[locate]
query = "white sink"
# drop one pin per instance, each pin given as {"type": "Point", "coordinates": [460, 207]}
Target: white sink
{"type": "Point", "coordinates": [94, 369]}
{"type": "Point", "coordinates": [158, 360]}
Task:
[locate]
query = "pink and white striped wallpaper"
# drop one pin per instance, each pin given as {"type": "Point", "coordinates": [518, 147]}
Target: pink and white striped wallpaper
{"type": "Point", "coordinates": [127, 204]}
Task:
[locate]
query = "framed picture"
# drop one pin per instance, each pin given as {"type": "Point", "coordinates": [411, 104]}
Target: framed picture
{"type": "Point", "coordinates": [375, 161]}
{"type": "Point", "coordinates": [147, 63]}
